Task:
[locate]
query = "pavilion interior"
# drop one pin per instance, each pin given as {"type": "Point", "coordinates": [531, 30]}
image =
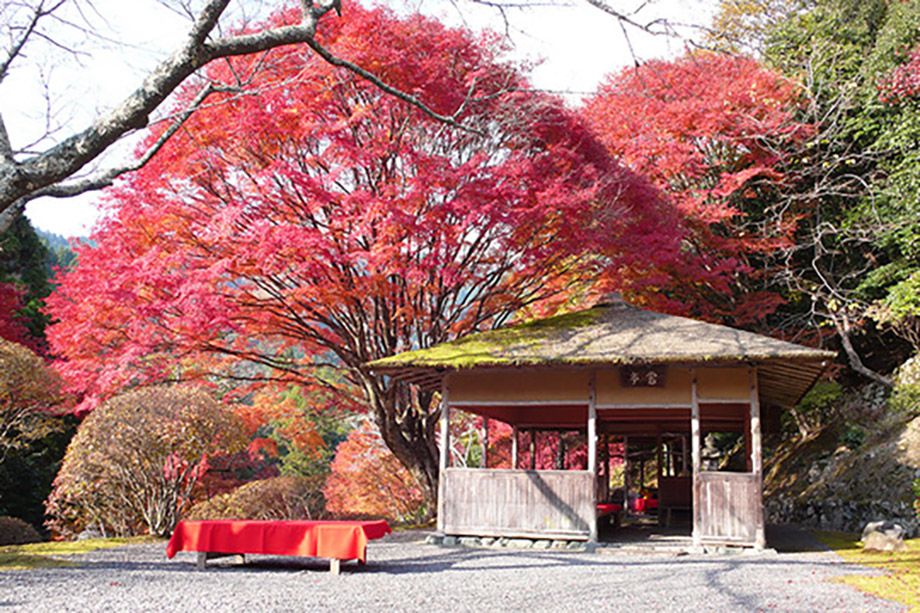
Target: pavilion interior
{"type": "Point", "coordinates": [641, 451]}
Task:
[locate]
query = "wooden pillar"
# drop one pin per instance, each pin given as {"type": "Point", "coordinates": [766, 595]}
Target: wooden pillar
{"type": "Point", "coordinates": [748, 439]}
{"type": "Point", "coordinates": [760, 539]}
{"type": "Point", "coordinates": [625, 475]}
{"type": "Point", "coordinates": [695, 460]}
{"type": "Point", "coordinates": [604, 494]}
{"type": "Point", "coordinates": [592, 447]}
{"type": "Point", "coordinates": [533, 449]}
{"type": "Point", "coordinates": [484, 441]}
{"type": "Point", "coordinates": [444, 456]}
{"type": "Point", "coordinates": [592, 427]}
{"type": "Point", "coordinates": [514, 446]}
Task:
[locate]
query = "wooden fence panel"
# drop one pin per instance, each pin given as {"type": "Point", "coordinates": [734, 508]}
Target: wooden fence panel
{"type": "Point", "coordinates": [730, 503]}
{"type": "Point", "coordinates": [524, 503]}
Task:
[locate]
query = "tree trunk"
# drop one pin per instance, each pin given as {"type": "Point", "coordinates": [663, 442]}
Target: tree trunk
{"type": "Point", "coordinates": [408, 429]}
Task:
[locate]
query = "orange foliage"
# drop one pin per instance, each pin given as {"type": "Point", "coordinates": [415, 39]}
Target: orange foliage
{"type": "Point", "coordinates": [368, 480]}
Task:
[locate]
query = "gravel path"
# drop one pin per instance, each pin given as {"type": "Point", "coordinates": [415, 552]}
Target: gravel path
{"type": "Point", "coordinates": [405, 574]}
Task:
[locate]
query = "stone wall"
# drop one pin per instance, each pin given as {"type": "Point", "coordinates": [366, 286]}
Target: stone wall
{"type": "Point", "coordinates": [839, 515]}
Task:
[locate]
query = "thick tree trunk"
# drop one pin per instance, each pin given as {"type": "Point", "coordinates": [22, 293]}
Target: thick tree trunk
{"type": "Point", "coordinates": [407, 426]}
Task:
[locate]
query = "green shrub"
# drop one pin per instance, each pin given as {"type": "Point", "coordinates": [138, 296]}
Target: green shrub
{"type": "Point", "coordinates": [916, 487]}
{"type": "Point", "coordinates": [14, 531]}
{"type": "Point", "coordinates": [287, 497]}
{"type": "Point", "coordinates": [853, 436]}
{"type": "Point", "coordinates": [905, 400]}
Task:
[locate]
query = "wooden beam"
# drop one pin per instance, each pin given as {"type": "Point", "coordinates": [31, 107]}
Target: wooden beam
{"type": "Point", "coordinates": [695, 459]}
{"type": "Point", "coordinates": [514, 446]}
{"type": "Point", "coordinates": [760, 540]}
{"type": "Point", "coordinates": [444, 457]}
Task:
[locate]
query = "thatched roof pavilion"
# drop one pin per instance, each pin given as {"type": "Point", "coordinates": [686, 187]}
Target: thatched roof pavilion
{"type": "Point", "coordinates": [611, 370]}
{"type": "Point", "coordinates": [615, 333]}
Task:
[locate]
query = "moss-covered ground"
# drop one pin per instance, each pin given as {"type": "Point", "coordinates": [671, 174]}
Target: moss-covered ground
{"type": "Point", "coordinates": [46, 555]}
{"type": "Point", "coordinates": [901, 581]}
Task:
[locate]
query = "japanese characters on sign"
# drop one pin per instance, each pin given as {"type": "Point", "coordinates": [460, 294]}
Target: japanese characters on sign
{"type": "Point", "coordinates": [642, 376]}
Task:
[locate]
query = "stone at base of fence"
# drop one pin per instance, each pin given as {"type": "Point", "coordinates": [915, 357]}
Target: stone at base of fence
{"type": "Point", "coordinates": [506, 542]}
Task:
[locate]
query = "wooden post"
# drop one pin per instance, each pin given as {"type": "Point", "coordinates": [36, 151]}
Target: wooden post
{"type": "Point", "coordinates": [696, 460]}
{"type": "Point", "coordinates": [444, 456]}
{"type": "Point", "coordinates": [484, 441]}
{"type": "Point", "coordinates": [533, 449]}
{"type": "Point", "coordinates": [606, 465]}
{"type": "Point", "coordinates": [760, 539]}
{"type": "Point", "coordinates": [514, 446]}
{"type": "Point", "coordinates": [592, 427]}
{"type": "Point", "coordinates": [592, 446]}
{"type": "Point", "coordinates": [625, 476]}
{"type": "Point", "coordinates": [748, 440]}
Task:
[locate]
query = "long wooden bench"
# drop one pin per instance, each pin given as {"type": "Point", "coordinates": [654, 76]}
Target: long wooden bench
{"type": "Point", "coordinates": [335, 540]}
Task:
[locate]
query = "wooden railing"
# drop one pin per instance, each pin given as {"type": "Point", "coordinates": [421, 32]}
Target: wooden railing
{"type": "Point", "coordinates": [730, 508]}
{"type": "Point", "coordinates": [519, 503]}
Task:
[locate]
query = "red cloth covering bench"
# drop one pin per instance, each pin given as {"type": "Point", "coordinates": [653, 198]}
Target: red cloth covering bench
{"type": "Point", "coordinates": [335, 540]}
{"type": "Point", "coordinates": [606, 508]}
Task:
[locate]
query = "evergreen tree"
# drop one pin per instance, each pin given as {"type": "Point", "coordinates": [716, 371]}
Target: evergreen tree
{"type": "Point", "coordinates": [23, 262]}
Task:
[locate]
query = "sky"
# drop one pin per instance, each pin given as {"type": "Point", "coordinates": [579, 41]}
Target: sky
{"type": "Point", "coordinates": [576, 44]}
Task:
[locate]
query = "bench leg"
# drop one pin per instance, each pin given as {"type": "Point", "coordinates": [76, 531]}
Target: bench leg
{"type": "Point", "coordinates": [335, 565]}
{"type": "Point", "coordinates": [204, 556]}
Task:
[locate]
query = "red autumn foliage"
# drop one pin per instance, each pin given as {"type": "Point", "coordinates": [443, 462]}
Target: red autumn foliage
{"type": "Point", "coordinates": [902, 83]}
{"type": "Point", "coordinates": [711, 131]}
{"type": "Point", "coordinates": [11, 326]}
{"type": "Point", "coordinates": [366, 480]}
{"type": "Point", "coordinates": [317, 221]}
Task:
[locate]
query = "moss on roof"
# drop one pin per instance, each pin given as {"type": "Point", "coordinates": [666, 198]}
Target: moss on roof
{"type": "Point", "coordinates": [614, 334]}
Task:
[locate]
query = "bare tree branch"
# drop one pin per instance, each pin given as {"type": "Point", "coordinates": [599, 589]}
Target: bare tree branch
{"type": "Point", "coordinates": [28, 30]}
{"type": "Point", "coordinates": [46, 173]}
{"type": "Point", "coordinates": [104, 179]}
{"type": "Point", "coordinates": [842, 323]}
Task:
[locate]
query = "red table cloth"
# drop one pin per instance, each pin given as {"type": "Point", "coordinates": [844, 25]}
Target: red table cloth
{"type": "Point", "coordinates": [342, 540]}
{"type": "Point", "coordinates": [605, 508]}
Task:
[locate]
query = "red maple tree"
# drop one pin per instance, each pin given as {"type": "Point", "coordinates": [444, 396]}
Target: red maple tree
{"type": "Point", "coordinates": [711, 131]}
{"type": "Point", "coordinates": [321, 224]}
{"type": "Point", "coordinates": [901, 83]}
{"type": "Point", "coordinates": [11, 326]}
{"type": "Point", "coordinates": [366, 480]}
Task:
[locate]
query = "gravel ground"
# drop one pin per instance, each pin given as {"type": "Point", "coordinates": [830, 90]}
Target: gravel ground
{"type": "Point", "coordinates": [405, 574]}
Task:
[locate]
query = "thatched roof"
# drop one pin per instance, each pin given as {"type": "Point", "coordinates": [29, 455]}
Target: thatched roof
{"type": "Point", "coordinates": [616, 334]}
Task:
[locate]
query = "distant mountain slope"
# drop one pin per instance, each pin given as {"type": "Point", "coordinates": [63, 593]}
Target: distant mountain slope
{"type": "Point", "coordinates": [60, 252]}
